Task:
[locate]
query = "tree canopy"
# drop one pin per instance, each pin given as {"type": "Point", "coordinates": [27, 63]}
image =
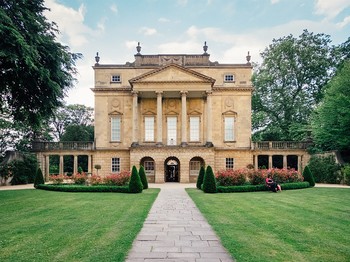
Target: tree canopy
{"type": "Point", "coordinates": [289, 84]}
{"type": "Point", "coordinates": [35, 70]}
{"type": "Point", "coordinates": [331, 120]}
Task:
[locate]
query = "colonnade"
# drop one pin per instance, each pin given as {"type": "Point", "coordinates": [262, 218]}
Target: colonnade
{"type": "Point", "coordinates": [159, 139]}
{"type": "Point", "coordinates": [270, 160]}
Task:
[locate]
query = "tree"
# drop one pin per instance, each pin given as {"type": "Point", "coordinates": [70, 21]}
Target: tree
{"type": "Point", "coordinates": [78, 133]}
{"type": "Point", "coordinates": [331, 120]}
{"type": "Point", "coordinates": [70, 115]}
{"type": "Point", "coordinates": [289, 83]}
{"type": "Point", "coordinates": [209, 182]}
{"type": "Point", "coordinates": [143, 177]}
{"type": "Point", "coordinates": [35, 70]}
{"type": "Point", "coordinates": [135, 184]}
{"type": "Point", "coordinates": [200, 177]}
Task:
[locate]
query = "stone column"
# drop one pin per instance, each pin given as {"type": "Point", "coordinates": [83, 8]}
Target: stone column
{"type": "Point", "coordinates": [47, 167]}
{"type": "Point", "coordinates": [183, 118]}
{"type": "Point", "coordinates": [270, 161]}
{"type": "Point", "coordinates": [299, 163]}
{"type": "Point", "coordinates": [61, 167]}
{"type": "Point", "coordinates": [285, 164]}
{"type": "Point", "coordinates": [75, 165]}
{"type": "Point", "coordinates": [135, 124]}
{"type": "Point", "coordinates": [209, 119]}
{"type": "Point", "coordinates": [159, 118]}
{"type": "Point", "coordinates": [89, 164]}
{"type": "Point", "coordinates": [256, 166]}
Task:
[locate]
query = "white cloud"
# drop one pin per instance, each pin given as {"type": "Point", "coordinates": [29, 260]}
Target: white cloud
{"type": "Point", "coordinates": [331, 8]}
{"type": "Point", "coordinates": [70, 23]}
{"type": "Point", "coordinates": [274, 1]}
{"type": "Point", "coordinates": [148, 31]}
{"type": "Point", "coordinates": [114, 8]}
{"type": "Point", "coordinates": [182, 2]}
{"type": "Point", "coordinates": [131, 44]}
{"type": "Point", "coordinates": [163, 20]}
{"type": "Point", "coordinates": [344, 23]}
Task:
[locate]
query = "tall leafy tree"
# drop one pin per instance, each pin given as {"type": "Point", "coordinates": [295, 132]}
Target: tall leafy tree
{"type": "Point", "coordinates": [331, 121]}
{"type": "Point", "coordinates": [70, 115]}
{"type": "Point", "coordinates": [35, 70]}
{"type": "Point", "coordinates": [289, 83]}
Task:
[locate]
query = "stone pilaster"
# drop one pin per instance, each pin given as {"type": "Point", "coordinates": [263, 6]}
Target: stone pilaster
{"type": "Point", "coordinates": [159, 119]}
{"type": "Point", "coordinates": [183, 118]}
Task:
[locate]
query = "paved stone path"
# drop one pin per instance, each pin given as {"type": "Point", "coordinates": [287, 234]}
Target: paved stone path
{"type": "Point", "coordinates": [175, 230]}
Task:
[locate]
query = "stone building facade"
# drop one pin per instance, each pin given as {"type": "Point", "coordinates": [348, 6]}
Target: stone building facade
{"type": "Point", "coordinates": [172, 114]}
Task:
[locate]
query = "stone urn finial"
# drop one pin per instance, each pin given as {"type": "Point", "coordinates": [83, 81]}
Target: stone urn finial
{"type": "Point", "coordinates": [97, 59]}
{"type": "Point", "coordinates": [205, 47]}
{"type": "Point", "coordinates": [248, 58]}
{"type": "Point", "coordinates": [138, 48]}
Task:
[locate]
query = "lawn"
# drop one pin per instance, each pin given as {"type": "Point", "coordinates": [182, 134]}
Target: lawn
{"type": "Point", "coordinates": [296, 225]}
{"type": "Point", "coordinates": [39, 225]}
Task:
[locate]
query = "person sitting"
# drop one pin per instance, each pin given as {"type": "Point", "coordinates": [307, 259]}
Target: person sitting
{"type": "Point", "coordinates": [272, 185]}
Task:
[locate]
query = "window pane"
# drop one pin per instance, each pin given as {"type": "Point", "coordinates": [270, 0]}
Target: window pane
{"type": "Point", "coordinates": [149, 128]}
{"type": "Point", "coordinates": [194, 128]}
{"type": "Point", "coordinates": [171, 130]}
{"type": "Point", "coordinates": [229, 128]}
{"type": "Point", "coordinates": [229, 78]}
{"type": "Point", "coordinates": [115, 128]}
{"type": "Point", "coordinates": [229, 163]}
{"type": "Point", "coordinates": [149, 167]}
{"type": "Point", "coordinates": [116, 78]}
{"type": "Point", "coordinates": [195, 166]}
{"type": "Point", "coordinates": [115, 164]}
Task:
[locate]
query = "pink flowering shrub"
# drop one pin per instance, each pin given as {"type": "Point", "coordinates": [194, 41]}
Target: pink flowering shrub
{"type": "Point", "coordinates": [283, 175]}
{"type": "Point", "coordinates": [79, 179]}
{"type": "Point", "coordinates": [256, 177]}
{"type": "Point", "coordinates": [231, 177]}
{"type": "Point", "coordinates": [57, 179]}
{"type": "Point", "coordinates": [96, 180]}
{"type": "Point", "coordinates": [120, 179]}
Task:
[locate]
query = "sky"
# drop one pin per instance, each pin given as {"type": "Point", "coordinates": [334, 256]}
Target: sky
{"type": "Point", "coordinates": [231, 28]}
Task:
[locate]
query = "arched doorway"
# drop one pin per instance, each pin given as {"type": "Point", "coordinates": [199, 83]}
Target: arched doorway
{"type": "Point", "coordinates": [172, 169]}
{"type": "Point", "coordinates": [149, 165]}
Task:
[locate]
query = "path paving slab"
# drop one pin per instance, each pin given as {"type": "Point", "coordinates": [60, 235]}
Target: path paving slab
{"type": "Point", "coordinates": [176, 231]}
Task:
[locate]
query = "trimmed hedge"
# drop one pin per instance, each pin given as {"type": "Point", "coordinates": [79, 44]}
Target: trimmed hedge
{"type": "Point", "coordinates": [81, 188]}
{"type": "Point", "coordinates": [135, 184]}
{"type": "Point", "coordinates": [200, 177]}
{"type": "Point", "coordinates": [209, 181]}
{"type": "Point", "coordinates": [143, 177]}
{"type": "Point", "coordinates": [254, 188]}
{"type": "Point", "coordinates": [39, 178]}
{"type": "Point", "coordinates": [308, 176]}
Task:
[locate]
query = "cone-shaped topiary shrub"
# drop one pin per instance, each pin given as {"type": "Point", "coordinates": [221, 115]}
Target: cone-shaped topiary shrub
{"type": "Point", "coordinates": [143, 177]}
{"type": "Point", "coordinates": [209, 182]}
{"type": "Point", "coordinates": [39, 178]}
{"type": "Point", "coordinates": [308, 176]}
{"type": "Point", "coordinates": [135, 184]}
{"type": "Point", "coordinates": [200, 177]}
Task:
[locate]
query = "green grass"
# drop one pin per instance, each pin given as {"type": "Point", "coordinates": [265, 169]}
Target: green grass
{"type": "Point", "coordinates": [297, 225]}
{"type": "Point", "coordinates": [39, 225]}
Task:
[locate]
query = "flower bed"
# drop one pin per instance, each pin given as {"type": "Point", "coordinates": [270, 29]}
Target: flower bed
{"type": "Point", "coordinates": [246, 176]}
{"type": "Point", "coordinates": [84, 183]}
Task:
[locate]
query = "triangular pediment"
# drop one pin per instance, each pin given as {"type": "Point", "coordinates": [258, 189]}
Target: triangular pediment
{"type": "Point", "coordinates": [172, 73]}
{"type": "Point", "coordinates": [230, 112]}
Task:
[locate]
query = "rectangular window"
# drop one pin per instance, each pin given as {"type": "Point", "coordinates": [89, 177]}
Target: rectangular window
{"type": "Point", "coordinates": [149, 167]}
{"type": "Point", "coordinates": [230, 163]}
{"type": "Point", "coordinates": [116, 78]}
{"type": "Point", "coordinates": [229, 128]}
{"type": "Point", "coordinates": [149, 128]}
{"type": "Point", "coordinates": [194, 128]}
{"type": "Point", "coordinates": [229, 78]}
{"type": "Point", "coordinates": [195, 166]}
{"type": "Point", "coordinates": [171, 121]}
{"type": "Point", "coordinates": [115, 128]}
{"type": "Point", "coordinates": [115, 164]}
